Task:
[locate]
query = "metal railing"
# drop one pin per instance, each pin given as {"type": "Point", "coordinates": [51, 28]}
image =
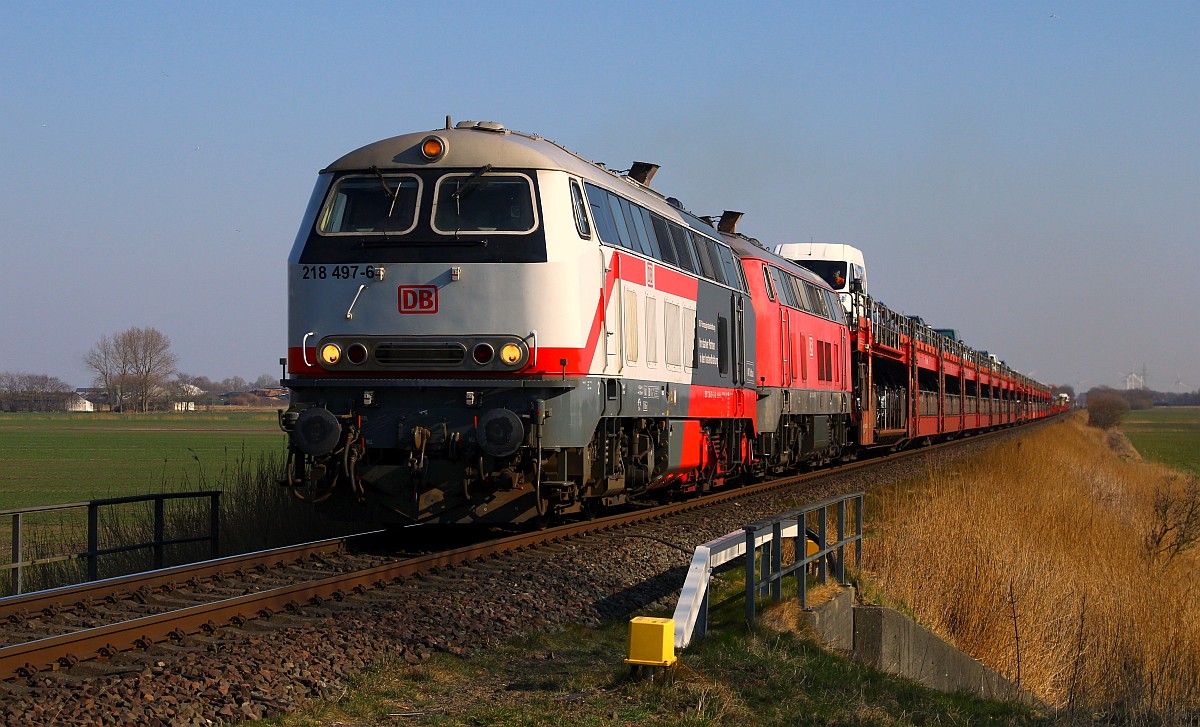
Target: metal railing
{"type": "Point", "coordinates": [742, 546]}
{"type": "Point", "coordinates": [772, 571]}
{"type": "Point", "coordinates": [93, 553]}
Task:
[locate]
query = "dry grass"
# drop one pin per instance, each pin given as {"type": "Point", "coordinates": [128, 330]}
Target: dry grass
{"type": "Point", "coordinates": [1033, 558]}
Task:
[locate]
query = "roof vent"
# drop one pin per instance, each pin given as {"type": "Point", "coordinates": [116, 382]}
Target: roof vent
{"type": "Point", "coordinates": [642, 172]}
{"type": "Point", "coordinates": [482, 126]}
{"type": "Point", "coordinates": [729, 221]}
{"type": "Point", "coordinates": [674, 202]}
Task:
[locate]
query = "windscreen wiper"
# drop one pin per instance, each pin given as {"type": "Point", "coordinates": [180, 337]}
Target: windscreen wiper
{"type": "Point", "coordinates": [471, 184]}
{"type": "Point", "coordinates": [394, 195]}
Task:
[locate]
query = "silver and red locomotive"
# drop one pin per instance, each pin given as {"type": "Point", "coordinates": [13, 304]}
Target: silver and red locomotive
{"type": "Point", "coordinates": [486, 327]}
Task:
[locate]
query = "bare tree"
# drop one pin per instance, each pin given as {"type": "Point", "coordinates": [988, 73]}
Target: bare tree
{"type": "Point", "coordinates": [111, 371]}
{"type": "Point", "coordinates": [135, 365]}
{"type": "Point", "coordinates": [21, 391]}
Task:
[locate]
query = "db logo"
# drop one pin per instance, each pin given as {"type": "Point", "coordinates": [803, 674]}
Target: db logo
{"type": "Point", "coordinates": [418, 299]}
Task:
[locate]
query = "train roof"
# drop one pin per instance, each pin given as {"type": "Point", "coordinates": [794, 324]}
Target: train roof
{"type": "Point", "coordinates": [747, 247]}
{"type": "Point", "coordinates": [471, 144]}
{"type": "Point", "coordinates": [466, 144]}
{"type": "Point", "coordinates": [474, 143]}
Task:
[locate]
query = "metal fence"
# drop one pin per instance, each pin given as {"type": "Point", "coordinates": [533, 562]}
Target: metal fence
{"type": "Point", "coordinates": [92, 555]}
{"type": "Point", "coordinates": [764, 547]}
{"type": "Point", "coordinates": [763, 540]}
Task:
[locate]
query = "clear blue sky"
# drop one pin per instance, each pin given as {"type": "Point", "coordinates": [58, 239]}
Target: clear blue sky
{"type": "Point", "coordinates": [1025, 172]}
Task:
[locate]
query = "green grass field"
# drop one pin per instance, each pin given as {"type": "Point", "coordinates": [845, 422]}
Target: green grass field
{"type": "Point", "coordinates": [1168, 435]}
{"type": "Point", "coordinates": [57, 458]}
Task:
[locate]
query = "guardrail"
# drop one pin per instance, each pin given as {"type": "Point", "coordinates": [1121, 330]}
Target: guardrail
{"type": "Point", "coordinates": [761, 544]}
{"type": "Point", "coordinates": [94, 551]}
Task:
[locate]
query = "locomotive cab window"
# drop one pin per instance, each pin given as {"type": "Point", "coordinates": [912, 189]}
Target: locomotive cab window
{"type": "Point", "coordinates": [501, 203]}
{"type": "Point", "coordinates": [581, 220]}
{"type": "Point", "coordinates": [360, 204]}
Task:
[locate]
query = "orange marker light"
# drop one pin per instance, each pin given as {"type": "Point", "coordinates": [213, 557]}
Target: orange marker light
{"type": "Point", "coordinates": [433, 147]}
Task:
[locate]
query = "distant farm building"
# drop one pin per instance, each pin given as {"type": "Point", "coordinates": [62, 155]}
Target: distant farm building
{"type": "Point", "coordinates": [75, 402]}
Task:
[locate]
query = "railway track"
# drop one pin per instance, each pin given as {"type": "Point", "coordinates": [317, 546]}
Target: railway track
{"type": "Point", "coordinates": [54, 631]}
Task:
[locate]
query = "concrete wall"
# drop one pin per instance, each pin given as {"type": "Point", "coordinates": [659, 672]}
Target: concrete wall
{"type": "Point", "coordinates": [891, 642]}
{"type": "Point", "coordinates": [833, 621]}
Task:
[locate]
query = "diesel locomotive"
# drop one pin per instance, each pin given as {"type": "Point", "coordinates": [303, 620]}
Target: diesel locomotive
{"type": "Point", "coordinates": [484, 327]}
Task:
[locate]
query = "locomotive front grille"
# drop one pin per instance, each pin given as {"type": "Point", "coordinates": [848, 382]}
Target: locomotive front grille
{"type": "Point", "coordinates": [420, 355]}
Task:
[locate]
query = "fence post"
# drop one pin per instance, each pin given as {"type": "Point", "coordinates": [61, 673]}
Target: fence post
{"type": "Point", "coordinates": [214, 522]}
{"type": "Point", "coordinates": [776, 561]}
{"type": "Point", "coordinates": [823, 536]}
{"type": "Point", "coordinates": [93, 541]}
{"type": "Point", "coordinates": [750, 584]}
{"type": "Point", "coordinates": [159, 535]}
{"type": "Point", "coordinates": [841, 551]}
{"type": "Point", "coordinates": [17, 580]}
{"type": "Point", "coordinates": [858, 532]}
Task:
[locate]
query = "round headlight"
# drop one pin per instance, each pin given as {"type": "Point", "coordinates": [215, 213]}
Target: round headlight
{"type": "Point", "coordinates": [510, 353]}
{"type": "Point", "coordinates": [331, 353]}
{"type": "Point", "coordinates": [483, 353]}
{"type": "Point", "coordinates": [356, 354]}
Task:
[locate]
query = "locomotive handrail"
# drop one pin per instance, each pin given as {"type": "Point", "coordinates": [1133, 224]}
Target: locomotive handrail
{"type": "Point", "coordinates": [304, 347]}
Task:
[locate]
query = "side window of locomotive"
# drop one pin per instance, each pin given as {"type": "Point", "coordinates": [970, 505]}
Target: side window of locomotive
{"type": "Point", "coordinates": [645, 230]}
{"type": "Point", "coordinates": [783, 288]}
{"type": "Point", "coordinates": [484, 203]}
{"type": "Point", "coordinates": [598, 200]}
{"type": "Point", "coordinates": [652, 235]}
{"type": "Point", "coordinates": [663, 233]}
{"type": "Point", "coordinates": [624, 239]}
{"type": "Point", "coordinates": [714, 257]}
{"type": "Point", "coordinates": [362, 204]}
{"type": "Point", "coordinates": [580, 207]}
{"type": "Point", "coordinates": [801, 293]}
{"type": "Point", "coordinates": [768, 281]}
{"type": "Point", "coordinates": [683, 247]}
{"type": "Point", "coordinates": [836, 312]}
{"type": "Point", "coordinates": [730, 268]}
{"type": "Point", "coordinates": [637, 232]}
{"type": "Point", "coordinates": [706, 266]}
{"type": "Point", "coordinates": [817, 300]}
{"type": "Point", "coordinates": [741, 273]}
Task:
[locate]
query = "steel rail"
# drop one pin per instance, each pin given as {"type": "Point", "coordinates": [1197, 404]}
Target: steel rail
{"type": "Point", "coordinates": [52, 652]}
{"type": "Point", "coordinates": [68, 597]}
